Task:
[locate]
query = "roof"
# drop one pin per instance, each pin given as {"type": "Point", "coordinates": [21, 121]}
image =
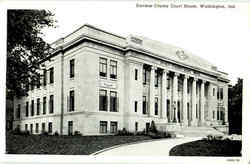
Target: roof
{"type": "Point", "coordinates": [171, 52]}
{"type": "Point", "coordinates": [153, 47]}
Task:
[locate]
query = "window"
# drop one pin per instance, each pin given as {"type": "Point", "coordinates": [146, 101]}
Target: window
{"type": "Point", "coordinates": [103, 100]}
{"type": "Point", "coordinates": [196, 110]}
{"type": "Point", "coordinates": [44, 77]}
{"type": "Point", "coordinates": [168, 85]}
{"type": "Point", "coordinates": [32, 108]}
{"type": "Point", "coordinates": [38, 107]}
{"type": "Point", "coordinates": [72, 68]}
{"type": "Point", "coordinates": [156, 78]}
{"type": "Point", "coordinates": [31, 128]}
{"type": "Point", "coordinates": [27, 109]}
{"type": "Point", "coordinates": [103, 67]}
{"type": "Point", "coordinates": [213, 91]}
{"type": "Point", "coordinates": [136, 106]}
{"type": "Point", "coordinates": [168, 108]}
{"type": "Point", "coordinates": [188, 112]}
{"type": "Point", "coordinates": [218, 115]}
{"type": "Point", "coordinates": [26, 127]}
{"type": "Point", "coordinates": [50, 127]}
{"type": "Point", "coordinates": [146, 75]}
{"type": "Point", "coordinates": [136, 126]}
{"type": "Point", "coordinates": [156, 105]}
{"type": "Point", "coordinates": [113, 101]}
{"type": "Point", "coordinates": [113, 127]}
{"type": "Point", "coordinates": [144, 105]}
{"type": "Point", "coordinates": [51, 104]}
{"type": "Point", "coordinates": [44, 105]}
{"type": "Point", "coordinates": [37, 128]}
{"type": "Point", "coordinates": [43, 127]}
{"type": "Point", "coordinates": [213, 114]}
{"type": "Point", "coordinates": [113, 69]}
{"type": "Point", "coordinates": [221, 93]}
{"type": "Point", "coordinates": [71, 101]}
{"type": "Point", "coordinates": [51, 75]}
{"type": "Point", "coordinates": [218, 93]}
{"type": "Point", "coordinates": [188, 89]}
{"type": "Point", "coordinates": [103, 126]}
{"type": "Point", "coordinates": [70, 128]}
{"type": "Point", "coordinates": [18, 111]}
{"type": "Point", "coordinates": [136, 74]}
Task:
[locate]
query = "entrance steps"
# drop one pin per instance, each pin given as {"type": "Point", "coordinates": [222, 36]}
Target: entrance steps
{"type": "Point", "coordinates": [198, 131]}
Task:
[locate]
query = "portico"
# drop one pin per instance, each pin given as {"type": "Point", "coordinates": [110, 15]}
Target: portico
{"type": "Point", "coordinates": [184, 98]}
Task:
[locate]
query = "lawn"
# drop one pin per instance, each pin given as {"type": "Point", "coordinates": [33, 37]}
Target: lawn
{"type": "Point", "coordinates": [70, 145]}
{"type": "Point", "coordinates": [226, 148]}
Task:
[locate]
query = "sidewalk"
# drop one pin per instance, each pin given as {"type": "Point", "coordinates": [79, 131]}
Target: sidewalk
{"type": "Point", "coordinates": [152, 148]}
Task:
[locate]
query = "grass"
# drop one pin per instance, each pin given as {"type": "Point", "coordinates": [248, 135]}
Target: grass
{"type": "Point", "coordinates": [66, 145]}
{"type": "Point", "coordinates": [226, 148]}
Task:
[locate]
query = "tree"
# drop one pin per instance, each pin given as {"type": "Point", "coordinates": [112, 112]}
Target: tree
{"type": "Point", "coordinates": [25, 48]}
{"type": "Point", "coordinates": [235, 107]}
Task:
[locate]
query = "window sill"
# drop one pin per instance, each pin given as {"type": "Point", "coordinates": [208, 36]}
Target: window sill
{"type": "Point", "coordinates": [102, 77]}
{"type": "Point", "coordinates": [112, 79]}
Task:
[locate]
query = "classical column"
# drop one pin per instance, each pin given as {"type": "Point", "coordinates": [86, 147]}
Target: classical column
{"type": "Point", "coordinates": [175, 96]}
{"type": "Point", "coordinates": [202, 100]}
{"type": "Point", "coordinates": [194, 120]}
{"type": "Point", "coordinates": [164, 95]}
{"type": "Point", "coordinates": [210, 95]}
{"type": "Point", "coordinates": [185, 112]}
{"type": "Point", "coordinates": [152, 91]}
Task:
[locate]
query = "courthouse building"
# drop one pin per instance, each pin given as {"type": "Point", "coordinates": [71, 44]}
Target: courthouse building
{"type": "Point", "coordinates": [97, 82]}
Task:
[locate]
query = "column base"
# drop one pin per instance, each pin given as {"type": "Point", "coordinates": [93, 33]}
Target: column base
{"type": "Point", "coordinates": [194, 123]}
{"type": "Point", "coordinates": [185, 123]}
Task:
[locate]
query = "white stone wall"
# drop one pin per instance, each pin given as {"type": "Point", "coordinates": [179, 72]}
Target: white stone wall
{"type": "Point", "coordinates": [86, 84]}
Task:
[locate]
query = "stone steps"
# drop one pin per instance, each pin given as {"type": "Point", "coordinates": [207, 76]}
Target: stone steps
{"type": "Point", "coordinates": [198, 131]}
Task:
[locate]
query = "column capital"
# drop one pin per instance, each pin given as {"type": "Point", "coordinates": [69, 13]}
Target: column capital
{"type": "Point", "coordinates": [176, 74]}
{"type": "Point", "coordinates": [185, 76]}
{"type": "Point", "coordinates": [153, 67]}
{"type": "Point", "coordinates": [203, 81]}
{"type": "Point", "coordinates": [195, 79]}
{"type": "Point", "coordinates": [165, 71]}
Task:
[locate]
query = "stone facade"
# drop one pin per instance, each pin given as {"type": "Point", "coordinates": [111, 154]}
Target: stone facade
{"type": "Point", "coordinates": [102, 82]}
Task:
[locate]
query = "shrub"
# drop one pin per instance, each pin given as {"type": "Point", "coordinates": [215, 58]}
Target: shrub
{"type": "Point", "coordinates": [56, 133]}
{"type": "Point", "coordinates": [77, 133]}
{"type": "Point", "coordinates": [44, 133]}
{"type": "Point", "coordinates": [160, 134]}
{"type": "Point", "coordinates": [17, 131]}
{"type": "Point", "coordinates": [152, 127]}
{"type": "Point", "coordinates": [140, 133]}
{"type": "Point", "coordinates": [124, 132]}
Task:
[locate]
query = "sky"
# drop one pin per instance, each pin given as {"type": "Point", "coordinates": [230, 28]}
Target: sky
{"type": "Point", "coordinates": [220, 36]}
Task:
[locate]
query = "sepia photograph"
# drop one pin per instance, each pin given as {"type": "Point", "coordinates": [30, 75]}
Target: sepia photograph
{"type": "Point", "coordinates": [137, 78]}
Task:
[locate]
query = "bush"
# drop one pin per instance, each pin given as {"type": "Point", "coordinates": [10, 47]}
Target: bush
{"type": "Point", "coordinates": [152, 127]}
{"type": "Point", "coordinates": [44, 133]}
{"type": "Point", "coordinates": [77, 133]}
{"type": "Point", "coordinates": [160, 134]}
{"type": "Point", "coordinates": [124, 132]}
{"type": "Point", "coordinates": [140, 133]}
{"type": "Point", "coordinates": [56, 133]}
{"type": "Point", "coordinates": [17, 131]}
{"type": "Point", "coordinates": [214, 137]}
